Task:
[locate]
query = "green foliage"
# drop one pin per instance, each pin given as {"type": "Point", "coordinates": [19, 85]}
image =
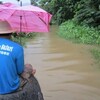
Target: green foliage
{"type": "Point", "coordinates": [83, 11]}
{"type": "Point", "coordinates": [96, 54]}
{"type": "Point", "coordinates": [34, 2]}
{"type": "Point", "coordinates": [84, 34]}
{"type": "Point", "coordinates": [61, 10]}
{"type": "Point", "coordinates": [21, 38]}
{"type": "Point", "coordinates": [88, 12]}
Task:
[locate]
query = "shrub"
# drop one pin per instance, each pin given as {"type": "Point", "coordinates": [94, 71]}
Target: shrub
{"type": "Point", "coordinates": [84, 34]}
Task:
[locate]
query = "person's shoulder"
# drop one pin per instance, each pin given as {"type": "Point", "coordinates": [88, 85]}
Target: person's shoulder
{"type": "Point", "coordinates": [15, 44]}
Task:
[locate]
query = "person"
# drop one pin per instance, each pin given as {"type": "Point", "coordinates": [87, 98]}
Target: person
{"type": "Point", "coordinates": [11, 60]}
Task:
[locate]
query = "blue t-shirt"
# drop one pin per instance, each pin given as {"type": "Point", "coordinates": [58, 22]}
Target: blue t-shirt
{"type": "Point", "coordinates": [11, 65]}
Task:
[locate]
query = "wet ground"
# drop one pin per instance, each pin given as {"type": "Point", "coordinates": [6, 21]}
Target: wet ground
{"type": "Point", "coordinates": [65, 70]}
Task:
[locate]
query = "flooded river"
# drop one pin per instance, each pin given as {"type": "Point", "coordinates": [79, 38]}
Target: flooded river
{"type": "Point", "coordinates": [65, 70]}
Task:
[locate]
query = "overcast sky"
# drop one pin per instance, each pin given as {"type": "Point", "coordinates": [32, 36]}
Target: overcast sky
{"type": "Point", "coordinates": [24, 2]}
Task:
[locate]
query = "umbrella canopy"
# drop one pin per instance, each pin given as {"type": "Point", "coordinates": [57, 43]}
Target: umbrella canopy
{"type": "Point", "coordinates": [26, 18]}
{"type": "Point", "coordinates": [8, 4]}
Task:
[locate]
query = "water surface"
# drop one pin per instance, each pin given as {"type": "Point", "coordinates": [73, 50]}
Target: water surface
{"type": "Point", "coordinates": [65, 70]}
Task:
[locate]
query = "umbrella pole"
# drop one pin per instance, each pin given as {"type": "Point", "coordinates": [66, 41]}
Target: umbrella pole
{"type": "Point", "coordinates": [20, 24]}
{"type": "Point", "coordinates": [20, 28]}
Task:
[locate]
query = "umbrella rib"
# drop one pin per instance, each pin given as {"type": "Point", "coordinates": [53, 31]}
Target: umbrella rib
{"type": "Point", "coordinates": [25, 19]}
{"type": "Point", "coordinates": [11, 14]}
{"type": "Point", "coordinates": [41, 19]}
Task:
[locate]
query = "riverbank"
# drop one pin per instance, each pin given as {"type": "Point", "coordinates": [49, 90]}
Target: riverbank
{"type": "Point", "coordinates": [82, 34]}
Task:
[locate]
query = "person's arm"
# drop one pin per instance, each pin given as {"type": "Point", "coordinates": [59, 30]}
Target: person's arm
{"type": "Point", "coordinates": [20, 62]}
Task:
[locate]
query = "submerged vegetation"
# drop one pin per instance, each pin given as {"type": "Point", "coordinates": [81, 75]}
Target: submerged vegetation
{"type": "Point", "coordinates": [21, 38]}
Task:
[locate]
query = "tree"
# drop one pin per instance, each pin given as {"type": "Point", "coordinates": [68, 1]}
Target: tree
{"type": "Point", "coordinates": [83, 11]}
{"type": "Point", "coordinates": [88, 12]}
{"type": "Point", "coordinates": [34, 2]}
{"type": "Point", "coordinates": [61, 10]}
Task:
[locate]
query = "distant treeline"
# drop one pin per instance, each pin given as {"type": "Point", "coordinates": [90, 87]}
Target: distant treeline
{"type": "Point", "coordinates": [82, 11]}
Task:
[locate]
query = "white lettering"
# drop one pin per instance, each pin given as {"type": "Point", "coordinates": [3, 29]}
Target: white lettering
{"type": "Point", "coordinates": [6, 48]}
{"type": "Point", "coordinates": [4, 53]}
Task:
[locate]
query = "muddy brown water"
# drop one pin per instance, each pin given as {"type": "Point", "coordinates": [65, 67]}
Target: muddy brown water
{"type": "Point", "coordinates": [65, 70]}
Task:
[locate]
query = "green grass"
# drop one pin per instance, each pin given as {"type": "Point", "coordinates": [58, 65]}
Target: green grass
{"type": "Point", "coordinates": [96, 55]}
{"type": "Point", "coordinates": [81, 34]}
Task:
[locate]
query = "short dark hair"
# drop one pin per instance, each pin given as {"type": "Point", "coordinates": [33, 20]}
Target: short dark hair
{"type": "Point", "coordinates": [7, 34]}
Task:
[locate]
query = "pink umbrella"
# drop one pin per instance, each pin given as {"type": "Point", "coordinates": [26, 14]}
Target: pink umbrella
{"type": "Point", "coordinates": [4, 12]}
{"type": "Point", "coordinates": [26, 18]}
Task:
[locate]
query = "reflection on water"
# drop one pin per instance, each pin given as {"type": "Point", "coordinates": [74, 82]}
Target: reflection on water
{"type": "Point", "coordinates": [65, 70]}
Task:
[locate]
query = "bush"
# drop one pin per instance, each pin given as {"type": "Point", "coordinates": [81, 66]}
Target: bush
{"type": "Point", "coordinates": [96, 54]}
{"type": "Point", "coordinates": [21, 38]}
{"type": "Point", "coordinates": [84, 34]}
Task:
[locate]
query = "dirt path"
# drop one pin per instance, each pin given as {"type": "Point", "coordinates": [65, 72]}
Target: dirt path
{"type": "Point", "coordinates": [65, 70]}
